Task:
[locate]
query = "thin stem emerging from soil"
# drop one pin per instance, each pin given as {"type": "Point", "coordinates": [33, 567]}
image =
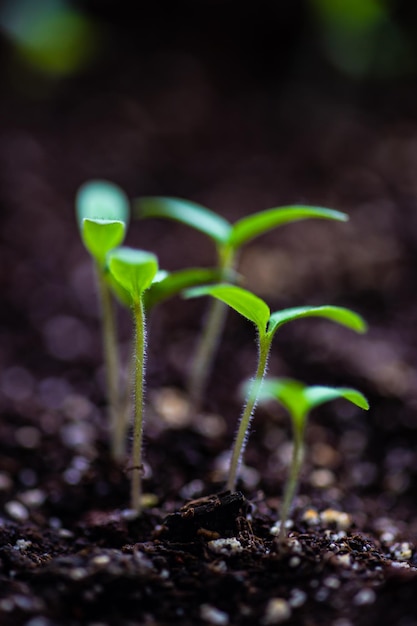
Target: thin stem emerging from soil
{"type": "Point", "coordinates": [140, 356]}
{"type": "Point", "coordinates": [111, 358]}
{"type": "Point", "coordinates": [249, 408]}
{"type": "Point", "coordinates": [210, 338]}
{"type": "Point", "coordinates": [292, 482]}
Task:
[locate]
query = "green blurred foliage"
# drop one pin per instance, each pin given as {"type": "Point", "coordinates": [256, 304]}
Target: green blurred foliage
{"type": "Point", "coordinates": [49, 36]}
{"type": "Point", "coordinates": [361, 39]}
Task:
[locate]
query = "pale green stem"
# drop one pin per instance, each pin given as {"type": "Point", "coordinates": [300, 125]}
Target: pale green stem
{"type": "Point", "coordinates": [140, 356]}
{"type": "Point", "coordinates": [292, 481]}
{"type": "Point", "coordinates": [210, 338]}
{"type": "Point", "coordinates": [111, 359]}
{"type": "Point", "coordinates": [250, 405]}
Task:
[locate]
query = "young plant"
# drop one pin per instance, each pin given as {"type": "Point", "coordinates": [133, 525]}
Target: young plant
{"type": "Point", "coordinates": [267, 324]}
{"type": "Point", "coordinates": [165, 285]}
{"type": "Point", "coordinates": [228, 239]}
{"type": "Point", "coordinates": [299, 400]}
{"type": "Point", "coordinates": [134, 271]}
{"type": "Point", "coordinates": [103, 213]}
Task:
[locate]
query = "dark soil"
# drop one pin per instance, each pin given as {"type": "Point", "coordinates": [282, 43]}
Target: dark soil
{"type": "Point", "coordinates": [239, 130]}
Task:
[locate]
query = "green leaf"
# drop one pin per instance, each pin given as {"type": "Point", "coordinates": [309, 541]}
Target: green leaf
{"type": "Point", "coordinates": [189, 213]}
{"type": "Point", "coordinates": [241, 300]}
{"type": "Point", "coordinates": [318, 395]}
{"type": "Point", "coordinates": [133, 269]}
{"type": "Point", "coordinates": [337, 314]}
{"type": "Point", "coordinates": [101, 200]}
{"type": "Point", "coordinates": [100, 236]}
{"type": "Point", "coordinates": [254, 225]}
{"type": "Point", "coordinates": [173, 283]}
{"type": "Point", "coordinates": [299, 399]}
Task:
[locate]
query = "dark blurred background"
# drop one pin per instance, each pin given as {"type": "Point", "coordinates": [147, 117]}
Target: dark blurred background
{"type": "Point", "coordinates": [238, 106]}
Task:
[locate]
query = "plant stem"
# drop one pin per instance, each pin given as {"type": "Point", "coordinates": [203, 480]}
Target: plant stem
{"type": "Point", "coordinates": [111, 358]}
{"type": "Point", "coordinates": [210, 337]}
{"type": "Point", "coordinates": [140, 356]}
{"type": "Point", "coordinates": [250, 405]}
{"type": "Point", "coordinates": [292, 481]}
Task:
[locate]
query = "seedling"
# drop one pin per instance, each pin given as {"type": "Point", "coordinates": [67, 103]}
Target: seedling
{"type": "Point", "coordinates": [228, 239]}
{"type": "Point", "coordinates": [299, 400]}
{"type": "Point", "coordinates": [134, 271]}
{"type": "Point", "coordinates": [166, 285]}
{"type": "Point", "coordinates": [267, 324]}
{"type": "Point", "coordinates": [103, 213]}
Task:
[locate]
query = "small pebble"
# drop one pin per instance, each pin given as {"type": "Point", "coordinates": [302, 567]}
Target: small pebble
{"type": "Point", "coordinates": [401, 551]}
{"type": "Point", "coordinates": [225, 546]}
{"type": "Point", "coordinates": [276, 528]}
{"type": "Point", "coordinates": [17, 511]}
{"type": "Point", "coordinates": [277, 611]}
{"type": "Point", "coordinates": [22, 545]}
{"type": "Point", "coordinates": [101, 559]}
{"type": "Point", "coordinates": [213, 616]}
{"type": "Point", "coordinates": [332, 582]}
{"type": "Point", "coordinates": [311, 517]}
{"type": "Point", "coordinates": [343, 560]}
{"type": "Point", "coordinates": [341, 520]}
{"type": "Point", "coordinates": [294, 545]}
{"type": "Point", "coordinates": [33, 498]}
{"type": "Point", "coordinates": [78, 573]}
{"type": "Point", "coordinates": [173, 406]}
{"type": "Point", "coordinates": [364, 596]}
{"type": "Point", "coordinates": [297, 599]}
{"type": "Point", "coordinates": [322, 478]}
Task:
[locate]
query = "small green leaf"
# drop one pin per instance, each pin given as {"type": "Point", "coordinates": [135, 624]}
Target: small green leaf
{"type": "Point", "coordinates": [174, 282]}
{"type": "Point", "coordinates": [318, 395]}
{"type": "Point", "coordinates": [288, 392]}
{"type": "Point", "coordinates": [101, 200]}
{"type": "Point", "coordinates": [299, 399]}
{"type": "Point", "coordinates": [254, 225]}
{"type": "Point", "coordinates": [133, 269]}
{"type": "Point", "coordinates": [189, 213]}
{"type": "Point", "coordinates": [241, 300]}
{"type": "Point", "coordinates": [337, 314]}
{"type": "Point", "coordinates": [100, 236]}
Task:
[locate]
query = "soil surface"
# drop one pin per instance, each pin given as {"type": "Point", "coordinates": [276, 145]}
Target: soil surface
{"type": "Point", "coordinates": [238, 131]}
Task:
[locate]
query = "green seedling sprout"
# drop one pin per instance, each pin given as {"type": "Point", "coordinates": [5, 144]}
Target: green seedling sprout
{"type": "Point", "coordinates": [267, 324]}
{"type": "Point", "coordinates": [134, 271]}
{"type": "Point", "coordinates": [165, 285]}
{"type": "Point", "coordinates": [299, 400]}
{"type": "Point", "coordinates": [228, 239]}
{"type": "Point", "coordinates": [103, 213]}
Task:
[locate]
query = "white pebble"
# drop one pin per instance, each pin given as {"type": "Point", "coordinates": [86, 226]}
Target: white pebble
{"type": "Point", "coordinates": [401, 551]}
{"type": "Point", "coordinates": [16, 510]}
{"type": "Point", "coordinates": [277, 611]}
{"type": "Point", "coordinates": [364, 596]}
{"type": "Point", "coordinates": [213, 616]}
{"type": "Point", "coordinates": [225, 546]}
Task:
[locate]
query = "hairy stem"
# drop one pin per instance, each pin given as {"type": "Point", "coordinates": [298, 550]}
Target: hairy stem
{"type": "Point", "coordinates": [249, 407]}
{"type": "Point", "coordinates": [111, 359]}
{"type": "Point", "coordinates": [210, 338]}
{"type": "Point", "coordinates": [292, 482]}
{"type": "Point", "coordinates": [140, 356]}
